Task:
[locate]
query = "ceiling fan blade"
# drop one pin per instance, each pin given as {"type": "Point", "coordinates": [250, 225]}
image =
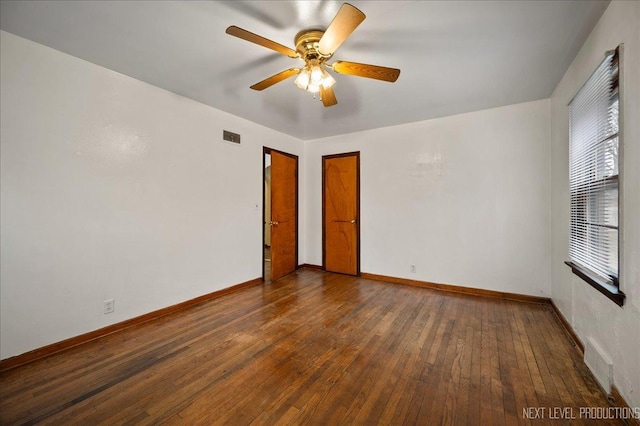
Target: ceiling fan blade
{"type": "Point", "coordinates": [265, 42]}
{"type": "Point", "coordinates": [277, 78]}
{"type": "Point", "coordinates": [328, 97]}
{"type": "Point", "coordinates": [346, 20]}
{"type": "Point", "coordinates": [368, 71]}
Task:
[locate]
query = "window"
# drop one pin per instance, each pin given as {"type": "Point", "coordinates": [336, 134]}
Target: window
{"type": "Point", "coordinates": [594, 148]}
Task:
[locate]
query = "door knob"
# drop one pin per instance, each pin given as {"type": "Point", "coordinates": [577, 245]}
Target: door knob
{"type": "Point", "coordinates": [346, 221]}
{"type": "Point", "coordinates": [273, 223]}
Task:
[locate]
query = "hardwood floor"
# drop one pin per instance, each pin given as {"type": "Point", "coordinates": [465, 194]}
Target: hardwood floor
{"type": "Point", "coordinates": [315, 348]}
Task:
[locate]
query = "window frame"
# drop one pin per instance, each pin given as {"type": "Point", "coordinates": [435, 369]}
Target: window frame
{"type": "Point", "coordinates": [610, 289]}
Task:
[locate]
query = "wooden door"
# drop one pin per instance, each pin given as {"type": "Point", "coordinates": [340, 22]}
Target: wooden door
{"type": "Point", "coordinates": [284, 214]}
{"type": "Point", "coordinates": [341, 213]}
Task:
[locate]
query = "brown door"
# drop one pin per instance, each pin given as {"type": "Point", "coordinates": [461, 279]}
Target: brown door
{"type": "Point", "coordinates": [284, 217]}
{"type": "Point", "coordinates": [341, 213]}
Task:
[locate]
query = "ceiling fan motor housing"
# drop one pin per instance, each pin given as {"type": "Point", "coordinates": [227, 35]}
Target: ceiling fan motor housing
{"type": "Point", "coordinates": [307, 45]}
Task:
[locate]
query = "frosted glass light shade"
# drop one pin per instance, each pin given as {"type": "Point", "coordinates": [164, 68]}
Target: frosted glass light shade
{"type": "Point", "coordinates": [328, 81]}
{"type": "Point", "coordinates": [316, 75]}
{"type": "Point", "coordinates": [302, 81]}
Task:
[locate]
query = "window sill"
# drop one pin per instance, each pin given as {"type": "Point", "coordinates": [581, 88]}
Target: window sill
{"type": "Point", "coordinates": [617, 297]}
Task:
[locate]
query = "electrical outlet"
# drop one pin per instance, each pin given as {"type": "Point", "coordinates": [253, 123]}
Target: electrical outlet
{"type": "Point", "coordinates": [413, 269]}
{"type": "Point", "coordinates": [109, 306]}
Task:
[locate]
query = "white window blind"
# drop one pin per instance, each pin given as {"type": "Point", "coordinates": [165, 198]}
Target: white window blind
{"type": "Point", "coordinates": [593, 174]}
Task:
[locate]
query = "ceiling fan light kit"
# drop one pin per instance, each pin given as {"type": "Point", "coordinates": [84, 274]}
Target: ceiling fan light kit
{"type": "Point", "coordinates": [312, 76]}
{"type": "Point", "coordinates": [315, 47]}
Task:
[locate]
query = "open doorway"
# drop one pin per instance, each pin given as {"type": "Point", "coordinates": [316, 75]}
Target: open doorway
{"type": "Point", "coordinates": [267, 217]}
{"type": "Point", "coordinates": [280, 215]}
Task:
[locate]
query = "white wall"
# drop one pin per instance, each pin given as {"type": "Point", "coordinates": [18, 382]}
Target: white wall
{"type": "Point", "coordinates": [615, 330]}
{"type": "Point", "coordinates": [112, 188]}
{"type": "Point", "coordinates": [463, 198]}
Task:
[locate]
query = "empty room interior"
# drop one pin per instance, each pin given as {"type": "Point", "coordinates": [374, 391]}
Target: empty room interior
{"type": "Point", "coordinates": [318, 212]}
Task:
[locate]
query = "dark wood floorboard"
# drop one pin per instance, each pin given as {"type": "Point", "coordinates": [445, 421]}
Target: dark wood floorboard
{"type": "Point", "coordinates": [315, 348]}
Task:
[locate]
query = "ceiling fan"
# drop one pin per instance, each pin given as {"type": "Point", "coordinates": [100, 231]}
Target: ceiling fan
{"type": "Point", "coordinates": [315, 47]}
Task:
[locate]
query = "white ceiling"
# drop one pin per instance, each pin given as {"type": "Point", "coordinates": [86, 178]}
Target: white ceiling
{"type": "Point", "coordinates": [455, 56]}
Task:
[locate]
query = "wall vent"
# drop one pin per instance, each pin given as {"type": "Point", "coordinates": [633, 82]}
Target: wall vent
{"type": "Point", "coordinates": [599, 363]}
{"type": "Point", "coordinates": [230, 136]}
